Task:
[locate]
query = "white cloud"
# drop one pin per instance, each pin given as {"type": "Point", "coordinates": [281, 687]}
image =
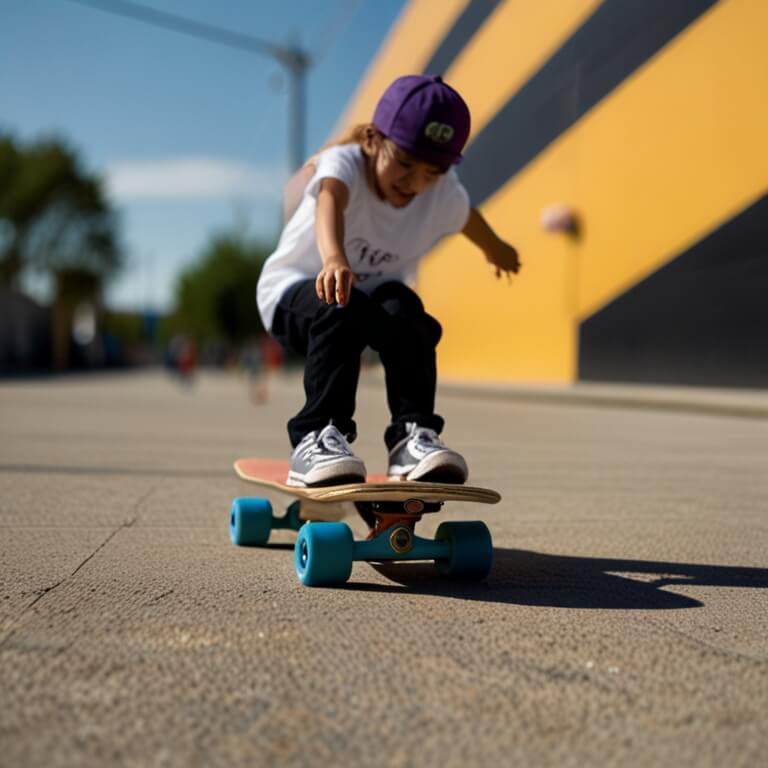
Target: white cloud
{"type": "Point", "coordinates": [191, 178]}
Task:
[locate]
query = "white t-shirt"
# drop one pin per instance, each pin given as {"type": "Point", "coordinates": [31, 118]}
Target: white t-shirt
{"type": "Point", "coordinates": [382, 243]}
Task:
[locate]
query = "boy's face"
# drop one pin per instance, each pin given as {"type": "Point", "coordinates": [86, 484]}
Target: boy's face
{"type": "Point", "coordinates": [399, 176]}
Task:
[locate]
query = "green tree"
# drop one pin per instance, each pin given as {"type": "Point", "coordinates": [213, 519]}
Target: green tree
{"type": "Point", "coordinates": [55, 218]}
{"type": "Point", "coordinates": [216, 297]}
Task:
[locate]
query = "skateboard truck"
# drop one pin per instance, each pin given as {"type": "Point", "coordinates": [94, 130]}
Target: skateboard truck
{"type": "Point", "coordinates": [380, 516]}
{"type": "Point", "coordinates": [325, 551]}
{"type": "Point", "coordinates": [401, 539]}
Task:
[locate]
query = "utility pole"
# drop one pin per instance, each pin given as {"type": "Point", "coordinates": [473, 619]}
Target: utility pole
{"type": "Point", "coordinates": [296, 63]}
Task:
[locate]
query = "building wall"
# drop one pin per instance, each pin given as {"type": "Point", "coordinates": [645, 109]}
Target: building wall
{"type": "Point", "coordinates": [25, 334]}
{"type": "Point", "coordinates": [648, 120]}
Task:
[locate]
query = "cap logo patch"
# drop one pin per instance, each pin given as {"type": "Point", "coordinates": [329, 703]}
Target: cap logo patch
{"type": "Point", "coordinates": [439, 132]}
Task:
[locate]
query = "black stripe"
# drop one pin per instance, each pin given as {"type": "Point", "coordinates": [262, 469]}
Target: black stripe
{"type": "Point", "coordinates": [620, 36]}
{"type": "Point", "coordinates": [701, 319]}
{"type": "Point", "coordinates": [461, 33]}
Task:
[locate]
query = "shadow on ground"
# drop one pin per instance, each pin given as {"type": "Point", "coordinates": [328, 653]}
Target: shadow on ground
{"type": "Point", "coordinates": [522, 577]}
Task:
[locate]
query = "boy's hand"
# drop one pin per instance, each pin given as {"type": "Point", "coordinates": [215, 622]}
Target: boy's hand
{"type": "Point", "coordinates": [334, 282]}
{"type": "Point", "coordinates": [504, 257]}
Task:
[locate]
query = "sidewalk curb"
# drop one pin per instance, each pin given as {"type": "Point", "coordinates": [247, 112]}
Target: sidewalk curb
{"type": "Point", "coordinates": [729, 403]}
{"type": "Point", "coordinates": [736, 403]}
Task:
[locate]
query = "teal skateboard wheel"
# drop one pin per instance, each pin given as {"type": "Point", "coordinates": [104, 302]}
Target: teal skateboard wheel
{"type": "Point", "coordinates": [471, 550]}
{"type": "Point", "coordinates": [250, 522]}
{"type": "Point", "coordinates": [323, 554]}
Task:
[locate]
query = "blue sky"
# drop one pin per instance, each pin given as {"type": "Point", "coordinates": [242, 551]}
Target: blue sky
{"type": "Point", "coordinates": [191, 137]}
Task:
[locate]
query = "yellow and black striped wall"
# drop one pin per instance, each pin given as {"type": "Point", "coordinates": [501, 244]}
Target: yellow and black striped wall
{"type": "Point", "coordinates": [649, 120]}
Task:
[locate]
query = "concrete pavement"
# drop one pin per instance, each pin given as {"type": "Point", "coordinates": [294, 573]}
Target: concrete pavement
{"type": "Point", "coordinates": [624, 621]}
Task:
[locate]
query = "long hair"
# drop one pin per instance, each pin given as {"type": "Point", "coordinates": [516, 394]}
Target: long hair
{"type": "Point", "coordinates": [355, 135]}
{"type": "Point", "coordinates": [294, 188]}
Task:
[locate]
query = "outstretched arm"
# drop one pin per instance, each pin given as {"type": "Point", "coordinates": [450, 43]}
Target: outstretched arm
{"type": "Point", "coordinates": [334, 281]}
{"type": "Point", "coordinates": [498, 253]}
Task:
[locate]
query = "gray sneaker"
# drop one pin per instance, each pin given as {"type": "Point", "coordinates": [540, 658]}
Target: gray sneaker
{"type": "Point", "coordinates": [422, 455]}
{"type": "Point", "coordinates": [324, 458]}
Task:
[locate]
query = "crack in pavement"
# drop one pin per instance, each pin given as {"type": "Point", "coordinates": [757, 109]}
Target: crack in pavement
{"type": "Point", "coordinates": [47, 590]}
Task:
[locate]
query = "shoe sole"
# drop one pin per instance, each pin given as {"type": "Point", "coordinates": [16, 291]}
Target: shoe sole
{"type": "Point", "coordinates": [447, 475]}
{"type": "Point", "coordinates": [434, 469]}
{"type": "Point", "coordinates": [443, 475]}
{"type": "Point", "coordinates": [347, 479]}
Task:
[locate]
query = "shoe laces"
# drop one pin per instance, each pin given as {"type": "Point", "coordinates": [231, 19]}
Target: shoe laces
{"type": "Point", "coordinates": [330, 440]}
{"type": "Point", "coordinates": [424, 437]}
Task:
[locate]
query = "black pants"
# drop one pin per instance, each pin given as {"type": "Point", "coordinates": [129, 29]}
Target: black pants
{"type": "Point", "coordinates": [392, 321]}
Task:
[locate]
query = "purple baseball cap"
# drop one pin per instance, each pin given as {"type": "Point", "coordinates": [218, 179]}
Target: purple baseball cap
{"type": "Point", "coordinates": [426, 117]}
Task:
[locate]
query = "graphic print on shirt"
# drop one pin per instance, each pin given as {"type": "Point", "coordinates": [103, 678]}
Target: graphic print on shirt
{"type": "Point", "coordinates": [366, 261]}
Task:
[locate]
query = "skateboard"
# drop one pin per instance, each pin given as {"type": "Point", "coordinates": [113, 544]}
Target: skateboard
{"type": "Point", "coordinates": [325, 547]}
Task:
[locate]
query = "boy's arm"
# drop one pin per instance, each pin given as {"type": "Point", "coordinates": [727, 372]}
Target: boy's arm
{"type": "Point", "coordinates": [334, 281]}
{"type": "Point", "coordinates": [502, 255]}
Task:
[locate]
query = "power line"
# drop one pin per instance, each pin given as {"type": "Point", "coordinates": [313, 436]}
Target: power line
{"type": "Point", "coordinates": [292, 58]}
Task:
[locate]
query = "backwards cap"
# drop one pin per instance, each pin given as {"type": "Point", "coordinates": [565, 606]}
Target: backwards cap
{"type": "Point", "coordinates": [426, 117]}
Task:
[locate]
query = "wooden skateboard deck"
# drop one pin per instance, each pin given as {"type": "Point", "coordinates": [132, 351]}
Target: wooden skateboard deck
{"type": "Point", "coordinates": [324, 551]}
{"type": "Point", "coordinates": [271, 473]}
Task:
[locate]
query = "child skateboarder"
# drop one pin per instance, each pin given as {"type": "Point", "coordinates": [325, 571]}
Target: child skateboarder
{"type": "Point", "coordinates": [373, 206]}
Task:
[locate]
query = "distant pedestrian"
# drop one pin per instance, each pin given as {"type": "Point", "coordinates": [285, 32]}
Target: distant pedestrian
{"type": "Point", "coordinates": [267, 362]}
{"type": "Point", "coordinates": [182, 358]}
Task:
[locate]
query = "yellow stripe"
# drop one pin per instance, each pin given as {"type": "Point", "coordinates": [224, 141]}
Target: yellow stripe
{"type": "Point", "coordinates": [515, 41]}
{"type": "Point", "coordinates": [417, 33]}
{"type": "Point", "coordinates": [679, 148]}
{"type": "Point", "coordinates": [674, 152]}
